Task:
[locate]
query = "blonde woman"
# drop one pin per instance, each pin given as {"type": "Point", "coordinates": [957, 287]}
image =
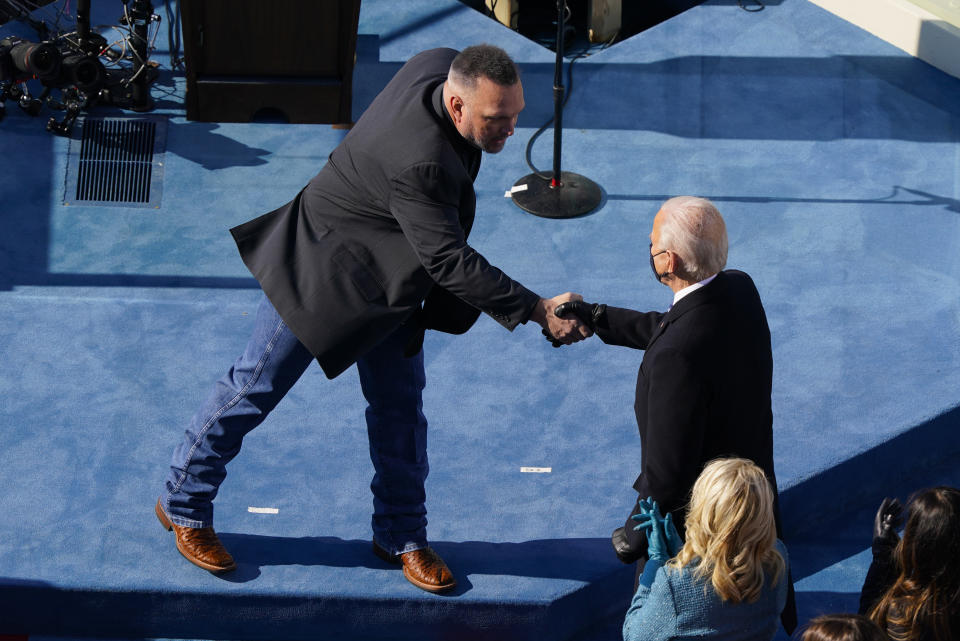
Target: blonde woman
{"type": "Point", "coordinates": [728, 580]}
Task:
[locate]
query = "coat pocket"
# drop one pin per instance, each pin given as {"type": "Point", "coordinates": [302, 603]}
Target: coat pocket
{"type": "Point", "coordinates": [365, 282]}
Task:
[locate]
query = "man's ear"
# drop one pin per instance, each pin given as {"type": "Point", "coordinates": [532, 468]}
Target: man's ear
{"type": "Point", "coordinates": [455, 107]}
{"type": "Point", "coordinates": [453, 102]}
{"type": "Point", "coordinates": [674, 263]}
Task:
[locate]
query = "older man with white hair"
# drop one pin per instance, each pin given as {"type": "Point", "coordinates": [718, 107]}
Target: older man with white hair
{"type": "Point", "coordinates": [703, 389]}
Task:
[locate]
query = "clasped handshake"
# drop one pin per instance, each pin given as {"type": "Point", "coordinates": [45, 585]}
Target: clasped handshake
{"type": "Point", "coordinates": [567, 318]}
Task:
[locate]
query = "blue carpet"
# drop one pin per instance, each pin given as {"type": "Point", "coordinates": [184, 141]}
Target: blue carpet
{"type": "Point", "coordinates": [834, 158]}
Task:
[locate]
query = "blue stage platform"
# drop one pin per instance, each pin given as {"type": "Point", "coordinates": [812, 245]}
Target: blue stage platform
{"type": "Point", "coordinates": [835, 159]}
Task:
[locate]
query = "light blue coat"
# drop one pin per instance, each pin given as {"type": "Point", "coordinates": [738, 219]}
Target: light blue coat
{"type": "Point", "coordinates": [676, 606]}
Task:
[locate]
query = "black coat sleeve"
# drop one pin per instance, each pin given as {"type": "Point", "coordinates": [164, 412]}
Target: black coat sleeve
{"type": "Point", "coordinates": [627, 327]}
{"type": "Point", "coordinates": [880, 576]}
{"type": "Point", "coordinates": [425, 203]}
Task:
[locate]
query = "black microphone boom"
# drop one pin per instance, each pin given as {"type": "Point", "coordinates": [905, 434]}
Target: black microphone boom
{"type": "Point", "coordinates": [566, 194]}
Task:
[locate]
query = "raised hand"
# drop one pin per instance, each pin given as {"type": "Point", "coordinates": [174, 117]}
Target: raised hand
{"type": "Point", "coordinates": [885, 523]}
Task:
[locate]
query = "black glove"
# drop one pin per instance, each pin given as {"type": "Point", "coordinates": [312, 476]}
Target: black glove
{"type": "Point", "coordinates": [588, 313]}
{"type": "Point", "coordinates": [885, 523]}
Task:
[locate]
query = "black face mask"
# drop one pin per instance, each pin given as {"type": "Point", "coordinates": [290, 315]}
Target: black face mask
{"type": "Point", "coordinates": [653, 267]}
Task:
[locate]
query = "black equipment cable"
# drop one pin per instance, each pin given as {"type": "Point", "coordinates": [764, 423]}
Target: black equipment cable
{"type": "Point", "coordinates": [543, 128]}
{"type": "Point", "coordinates": [566, 97]}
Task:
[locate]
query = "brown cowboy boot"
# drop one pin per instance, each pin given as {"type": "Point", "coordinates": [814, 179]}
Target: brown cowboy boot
{"type": "Point", "coordinates": [424, 568]}
{"type": "Point", "coordinates": [200, 546]}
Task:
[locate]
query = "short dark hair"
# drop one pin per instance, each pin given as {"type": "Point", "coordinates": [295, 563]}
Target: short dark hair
{"type": "Point", "coordinates": [843, 627]}
{"type": "Point", "coordinates": [487, 61]}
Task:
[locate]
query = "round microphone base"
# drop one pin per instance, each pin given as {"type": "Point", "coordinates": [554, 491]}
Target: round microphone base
{"type": "Point", "coordinates": [575, 196]}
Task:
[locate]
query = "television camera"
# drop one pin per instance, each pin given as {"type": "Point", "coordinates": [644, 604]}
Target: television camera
{"type": "Point", "coordinates": [73, 65]}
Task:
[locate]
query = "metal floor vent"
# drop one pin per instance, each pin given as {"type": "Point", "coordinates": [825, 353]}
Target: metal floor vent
{"type": "Point", "coordinates": [116, 161]}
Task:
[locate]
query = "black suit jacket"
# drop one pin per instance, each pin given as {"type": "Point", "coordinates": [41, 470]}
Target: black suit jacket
{"type": "Point", "coordinates": [386, 221]}
{"type": "Point", "coordinates": [703, 390]}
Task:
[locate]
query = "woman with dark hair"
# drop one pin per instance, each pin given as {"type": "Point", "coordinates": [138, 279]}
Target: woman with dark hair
{"type": "Point", "coordinates": [912, 589]}
{"type": "Point", "coordinates": [843, 627]}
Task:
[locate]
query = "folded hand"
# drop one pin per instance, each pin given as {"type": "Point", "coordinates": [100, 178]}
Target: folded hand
{"type": "Point", "coordinates": [663, 540]}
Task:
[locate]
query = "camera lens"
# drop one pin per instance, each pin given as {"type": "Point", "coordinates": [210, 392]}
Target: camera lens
{"type": "Point", "coordinates": [41, 60]}
{"type": "Point", "coordinates": [85, 72]}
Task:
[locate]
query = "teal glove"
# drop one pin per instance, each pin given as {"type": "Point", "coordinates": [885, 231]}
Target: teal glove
{"type": "Point", "coordinates": [657, 549]}
{"type": "Point", "coordinates": [649, 519]}
{"type": "Point", "coordinates": [649, 513]}
{"type": "Point", "coordinates": [663, 540]}
{"type": "Point", "coordinates": [649, 574]}
{"type": "Point", "coordinates": [674, 540]}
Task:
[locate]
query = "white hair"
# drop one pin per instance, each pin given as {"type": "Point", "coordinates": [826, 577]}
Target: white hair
{"type": "Point", "coordinates": [694, 229]}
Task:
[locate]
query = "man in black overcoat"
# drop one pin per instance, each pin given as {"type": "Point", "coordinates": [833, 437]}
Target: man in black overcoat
{"type": "Point", "coordinates": [370, 254]}
{"type": "Point", "coordinates": [703, 389]}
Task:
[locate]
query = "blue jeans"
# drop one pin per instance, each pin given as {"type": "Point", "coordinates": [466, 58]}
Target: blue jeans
{"type": "Point", "coordinates": [271, 363]}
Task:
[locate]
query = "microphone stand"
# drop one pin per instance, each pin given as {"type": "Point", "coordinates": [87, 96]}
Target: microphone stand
{"type": "Point", "coordinates": [566, 194]}
{"type": "Point", "coordinates": [83, 27]}
{"type": "Point", "coordinates": [141, 12]}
